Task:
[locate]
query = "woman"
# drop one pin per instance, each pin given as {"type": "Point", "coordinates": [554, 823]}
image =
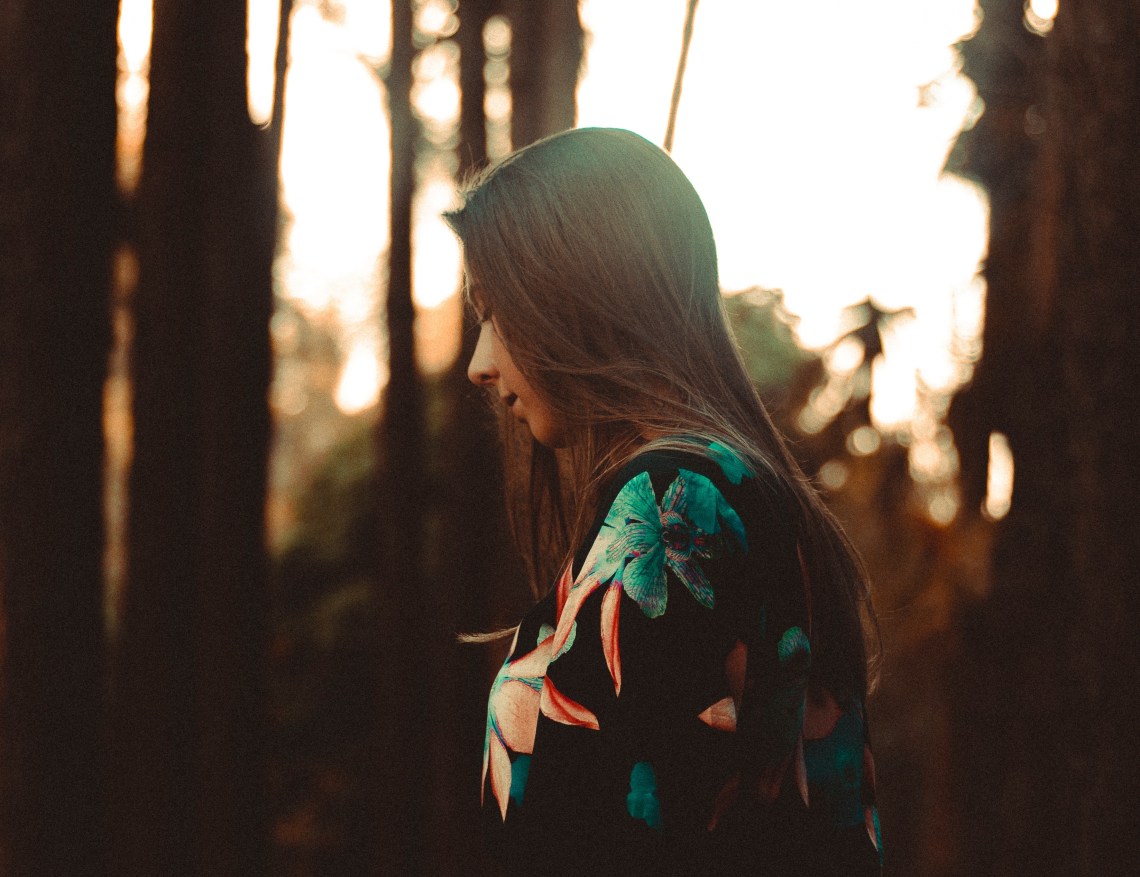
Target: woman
{"type": "Point", "coordinates": [687, 695]}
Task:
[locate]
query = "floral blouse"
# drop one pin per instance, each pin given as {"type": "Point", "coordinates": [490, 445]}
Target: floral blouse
{"type": "Point", "coordinates": [654, 715]}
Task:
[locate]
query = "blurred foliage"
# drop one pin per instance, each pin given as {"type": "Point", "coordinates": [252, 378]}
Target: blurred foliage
{"type": "Point", "coordinates": [765, 331]}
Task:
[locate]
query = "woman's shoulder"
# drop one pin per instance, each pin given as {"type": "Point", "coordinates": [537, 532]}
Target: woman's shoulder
{"type": "Point", "coordinates": [713, 459]}
{"type": "Point", "coordinates": [703, 466]}
{"type": "Point", "coordinates": [708, 483]}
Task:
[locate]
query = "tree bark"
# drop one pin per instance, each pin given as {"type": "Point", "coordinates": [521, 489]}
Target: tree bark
{"type": "Point", "coordinates": [474, 558]}
{"type": "Point", "coordinates": [397, 844]}
{"type": "Point", "coordinates": [190, 725]}
{"type": "Point", "coordinates": [1045, 725]}
{"type": "Point", "coordinates": [1094, 141]}
{"type": "Point", "coordinates": [1007, 724]}
{"type": "Point", "coordinates": [57, 228]}
{"type": "Point", "coordinates": [546, 59]}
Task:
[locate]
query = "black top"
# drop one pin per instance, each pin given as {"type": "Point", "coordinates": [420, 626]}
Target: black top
{"type": "Point", "coordinates": [654, 715]}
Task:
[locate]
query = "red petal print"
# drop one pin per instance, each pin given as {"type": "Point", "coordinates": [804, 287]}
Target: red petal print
{"type": "Point", "coordinates": [869, 767]}
{"type": "Point", "coordinates": [869, 821]}
{"type": "Point", "coordinates": [725, 798]}
{"type": "Point", "coordinates": [517, 715]}
{"type": "Point", "coordinates": [611, 610]}
{"type": "Point", "coordinates": [821, 714]}
{"type": "Point", "coordinates": [486, 761]}
{"type": "Point", "coordinates": [559, 708]}
{"type": "Point", "coordinates": [570, 612]}
{"type": "Point", "coordinates": [500, 774]}
{"type": "Point", "coordinates": [721, 715]}
{"type": "Point", "coordinates": [565, 583]}
{"type": "Point", "coordinates": [533, 663]}
{"type": "Point", "coordinates": [735, 667]}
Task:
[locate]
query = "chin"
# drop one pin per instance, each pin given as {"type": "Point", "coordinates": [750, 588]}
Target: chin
{"type": "Point", "coordinates": [552, 442]}
{"type": "Point", "coordinates": [550, 437]}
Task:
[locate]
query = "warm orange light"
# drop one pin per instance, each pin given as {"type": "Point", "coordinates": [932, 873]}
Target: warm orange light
{"type": "Point", "coordinates": [999, 478]}
{"type": "Point", "coordinates": [262, 18]}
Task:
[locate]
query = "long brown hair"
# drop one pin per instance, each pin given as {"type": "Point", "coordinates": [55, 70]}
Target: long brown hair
{"type": "Point", "coordinates": [594, 254]}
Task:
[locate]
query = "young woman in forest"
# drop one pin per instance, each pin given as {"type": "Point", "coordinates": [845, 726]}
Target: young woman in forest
{"type": "Point", "coordinates": [687, 696]}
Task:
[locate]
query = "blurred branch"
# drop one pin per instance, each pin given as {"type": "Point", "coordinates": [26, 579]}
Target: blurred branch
{"type": "Point", "coordinates": [675, 101]}
{"type": "Point", "coordinates": [280, 71]}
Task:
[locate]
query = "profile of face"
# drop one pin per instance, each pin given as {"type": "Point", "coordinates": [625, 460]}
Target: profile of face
{"type": "Point", "coordinates": [492, 367]}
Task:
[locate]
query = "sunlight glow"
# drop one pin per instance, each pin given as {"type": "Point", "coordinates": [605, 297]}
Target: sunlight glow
{"type": "Point", "coordinates": [361, 378]}
{"type": "Point", "coordinates": [833, 474]}
{"type": "Point", "coordinates": [863, 441]}
{"type": "Point", "coordinates": [334, 167]}
{"type": "Point", "coordinates": [934, 459]}
{"type": "Point", "coordinates": [136, 19]}
{"type": "Point", "coordinates": [435, 94]}
{"type": "Point", "coordinates": [893, 395]}
{"type": "Point", "coordinates": [846, 356]}
{"type": "Point", "coordinates": [262, 19]}
{"type": "Point", "coordinates": [942, 505]}
{"type": "Point", "coordinates": [999, 478]}
{"type": "Point", "coordinates": [816, 139]}
{"type": "Point", "coordinates": [437, 253]}
{"type": "Point", "coordinates": [437, 18]}
{"type": "Point", "coordinates": [497, 98]}
{"type": "Point", "coordinates": [368, 25]}
{"type": "Point", "coordinates": [135, 23]}
{"type": "Point", "coordinates": [1039, 15]}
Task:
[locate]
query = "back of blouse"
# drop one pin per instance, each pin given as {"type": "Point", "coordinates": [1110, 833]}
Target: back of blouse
{"type": "Point", "coordinates": [654, 715]}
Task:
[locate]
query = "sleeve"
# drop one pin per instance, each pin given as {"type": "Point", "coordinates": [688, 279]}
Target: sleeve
{"type": "Point", "coordinates": [635, 739]}
{"type": "Point", "coordinates": [677, 732]}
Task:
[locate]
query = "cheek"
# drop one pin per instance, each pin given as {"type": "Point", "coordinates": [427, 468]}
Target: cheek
{"type": "Point", "coordinates": [508, 369]}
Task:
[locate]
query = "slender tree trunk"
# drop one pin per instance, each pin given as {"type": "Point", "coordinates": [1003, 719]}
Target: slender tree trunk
{"type": "Point", "coordinates": [191, 685]}
{"type": "Point", "coordinates": [398, 782]}
{"type": "Point", "coordinates": [546, 59]}
{"type": "Point", "coordinates": [473, 16]}
{"type": "Point", "coordinates": [280, 76]}
{"type": "Point", "coordinates": [57, 224]}
{"type": "Point", "coordinates": [475, 554]}
{"type": "Point", "coordinates": [1009, 718]}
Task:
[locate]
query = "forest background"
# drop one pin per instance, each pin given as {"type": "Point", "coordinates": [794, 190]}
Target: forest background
{"type": "Point", "coordinates": [216, 661]}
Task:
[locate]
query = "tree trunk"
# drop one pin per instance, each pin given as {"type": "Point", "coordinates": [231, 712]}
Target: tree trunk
{"type": "Point", "coordinates": [474, 562]}
{"type": "Point", "coordinates": [191, 686]}
{"type": "Point", "coordinates": [1050, 776]}
{"type": "Point", "coordinates": [1006, 725]}
{"type": "Point", "coordinates": [397, 844]}
{"type": "Point", "coordinates": [546, 59]}
{"type": "Point", "coordinates": [1094, 140]}
{"type": "Point", "coordinates": [57, 226]}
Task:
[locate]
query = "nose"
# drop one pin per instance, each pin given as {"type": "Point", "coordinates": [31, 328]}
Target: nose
{"type": "Point", "coordinates": [482, 370]}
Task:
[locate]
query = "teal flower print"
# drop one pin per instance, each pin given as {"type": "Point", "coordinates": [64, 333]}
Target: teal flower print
{"type": "Point", "coordinates": [648, 539]}
{"type": "Point", "coordinates": [731, 464]}
{"type": "Point", "coordinates": [641, 802]}
{"type": "Point", "coordinates": [638, 542]}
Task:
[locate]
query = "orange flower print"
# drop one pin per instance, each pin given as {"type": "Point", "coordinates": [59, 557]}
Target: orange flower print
{"type": "Point", "coordinates": [512, 716]}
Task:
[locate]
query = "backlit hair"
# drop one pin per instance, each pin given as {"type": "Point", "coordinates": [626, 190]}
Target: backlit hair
{"type": "Point", "coordinates": [594, 255]}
